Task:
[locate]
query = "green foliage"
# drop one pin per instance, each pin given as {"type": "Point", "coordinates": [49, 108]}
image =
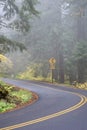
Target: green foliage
{"type": "Point", "coordinates": [7, 45]}
{"type": "Point", "coordinates": [5, 65]}
{"type": "Point", "coordinates": [4, 106]}
{"type": "Point", "coordinates": [5, 89]}
{"type": "Point", "coordinates": [23, 95]}
{"type": "Point", "coordinates": [9, 8]}
{"type": "Point", "coordinates": [18, 14]}
{"type": "Point", "coordinates": [11, 96]}
{"type": "Point", "coordinates": [35, 71]}
{"type": "Point", "coordinates": [15, 15]}
{"type": "Point", "coordinates": [28, 7]}
{"type": "Point", "coordinates": [81, 51]}
{"type": "Point", "coordinates": [6, 86]}
{"type": "Point", "coordinates": [76, 62]}
{"type": "Point", "coordinates": [81, 86]}
{"type": "Point", "coordinates": [81, 60]}
{"type": "Point", "coordinates": [77, 56]}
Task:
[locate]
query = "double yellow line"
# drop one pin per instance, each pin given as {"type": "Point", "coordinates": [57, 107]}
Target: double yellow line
{"type": "Point", "coordinates": [78, 105]}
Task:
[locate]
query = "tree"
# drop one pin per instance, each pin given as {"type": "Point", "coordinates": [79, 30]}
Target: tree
{"type": "Point", "coordinates": [58, 44]}
{"type": "Point", "coordinates": [58, 38]}
{"type": "Point", "coordinates": [58, 54]}
{"type": "Point", "coordinates": [80, 13]}
{"type": "Point", "coordinates": [77, 10]}
{"type": "Point", "coordinates": [7, 45]}
{"type": "Point", "coordinates": [81, 60]}
{"type": "Point", "coordinates": [5, 64]}
{"type": "Point", "coordinates": [15, 15]}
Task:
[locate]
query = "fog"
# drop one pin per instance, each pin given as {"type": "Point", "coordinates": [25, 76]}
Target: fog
{"type": "Point", "coordinates": [55, 32]}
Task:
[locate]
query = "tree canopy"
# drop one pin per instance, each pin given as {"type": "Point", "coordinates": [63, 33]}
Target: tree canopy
{"type": "Point", "coordinates": [15, 15]}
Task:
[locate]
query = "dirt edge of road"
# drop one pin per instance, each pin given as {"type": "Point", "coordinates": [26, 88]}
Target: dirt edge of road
{"type": "Point", "coordinates": [34, 98]}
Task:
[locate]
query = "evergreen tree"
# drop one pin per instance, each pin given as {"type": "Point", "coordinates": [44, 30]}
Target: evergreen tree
{"type": "Point", "coordinates": [81, 60]}
{"type": "Point", "coordinates": [15, 15]}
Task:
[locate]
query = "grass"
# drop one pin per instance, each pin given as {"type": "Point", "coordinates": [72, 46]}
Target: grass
{"type": "Point", "coordinates": [16, 97]}
{"type": "Point", "coordinates": [23, 95]}
{"type": "Point", "coordinates": [4, 106]}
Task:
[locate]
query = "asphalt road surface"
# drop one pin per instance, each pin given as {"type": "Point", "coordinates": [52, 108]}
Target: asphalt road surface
{"type": "Point", "coordinates": [58, 108]}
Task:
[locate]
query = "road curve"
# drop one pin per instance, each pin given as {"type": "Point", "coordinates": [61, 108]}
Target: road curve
{"type": "Point", "coordinates": [58, 108]}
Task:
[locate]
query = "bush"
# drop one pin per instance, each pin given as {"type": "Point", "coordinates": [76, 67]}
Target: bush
{"type": "Point", "coordinates": [4, 90]}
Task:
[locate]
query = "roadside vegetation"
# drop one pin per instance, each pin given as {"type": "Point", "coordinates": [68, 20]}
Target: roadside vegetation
{"type": "Point", "coordinates": [80, 86]}
{"type": "Point", "coordinates": [12, 97]}
{"type": "Point", "coordinates": [31, 74]}
{"type": "Point", "coordinates": [35, 72]}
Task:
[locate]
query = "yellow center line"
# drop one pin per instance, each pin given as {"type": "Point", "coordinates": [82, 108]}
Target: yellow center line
{"type": "Point", "coordinates": [78, 105]}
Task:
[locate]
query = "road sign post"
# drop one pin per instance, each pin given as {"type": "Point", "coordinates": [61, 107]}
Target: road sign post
{"type": "Point", "coordinates": [52, 62]}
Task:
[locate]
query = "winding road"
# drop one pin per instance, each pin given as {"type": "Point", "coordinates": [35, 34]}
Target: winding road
{"type": "Point", "coordinates": [58, 108]}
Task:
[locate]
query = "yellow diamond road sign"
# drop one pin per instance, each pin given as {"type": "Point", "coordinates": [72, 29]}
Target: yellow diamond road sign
{"type": "Point", "coordinates": [52, 62]}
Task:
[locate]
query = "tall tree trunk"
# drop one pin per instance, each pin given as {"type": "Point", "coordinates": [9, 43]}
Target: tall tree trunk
{"type": "Point", "coordinates": [58, 54]}
{"type": "Point", "coordinates": [81, 36]}
{"type": "Point", "coordinates": [81, 33]}
{"type": "Point", "coordinates": [61, 64]}
{"type": "Point", "coordinates": [81, 71]}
